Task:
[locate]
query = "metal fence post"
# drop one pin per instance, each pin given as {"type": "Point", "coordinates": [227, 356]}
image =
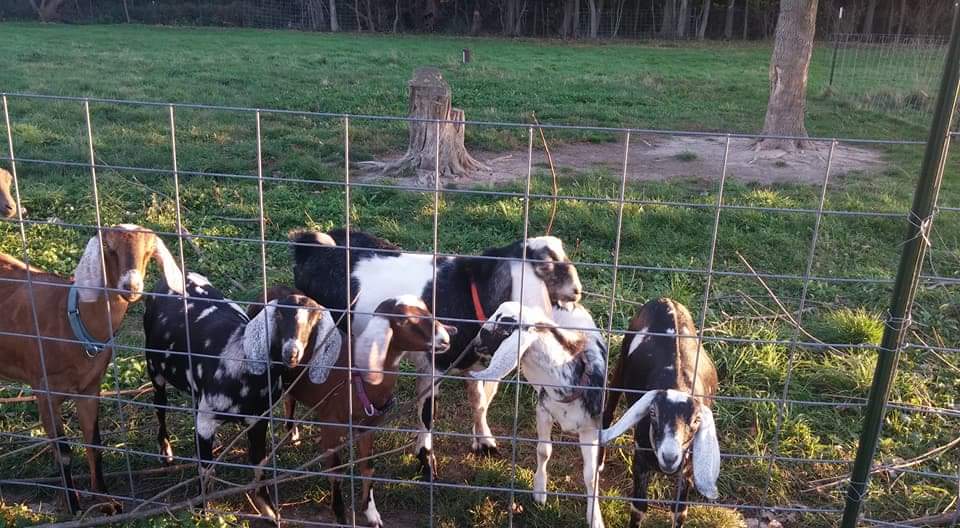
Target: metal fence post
{"type": "Point", "coordinates": [836, 47]}
{"type": "Point", "coordinates": [908, 275]}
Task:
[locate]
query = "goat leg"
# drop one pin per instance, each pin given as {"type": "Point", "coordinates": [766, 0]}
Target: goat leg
{"type": "Point", "coordinates": [339, 510]}
{"type": "Point", "coordinates": [88, 411]}
{"type": "Point", "coordinates": [369, 506]}
{"type": "Point", "coordinates": [428, 463]}
{"type": "Point", "coordinates": [163, 439]}
{"type": "Point", "coordinates": [683, 492]}
{"type": "Point", "coordinates": [544, 451]}
{"type": "Point", "coordinates": [289, 411]}
{"type": "Point", "coordinates": [257, 455]}
{"type": "Point", "coordinates": [50, 418]}
{"type": "Point", "coordinates": [591, 477]}
{"type": "Point", "coordinates": [480, 393]}
{"type": "Point", "coordinates": [641, 484]}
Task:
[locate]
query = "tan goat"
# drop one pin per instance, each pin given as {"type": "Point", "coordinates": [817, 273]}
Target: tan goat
{"type": "Point", "coordinates": [74, 369]}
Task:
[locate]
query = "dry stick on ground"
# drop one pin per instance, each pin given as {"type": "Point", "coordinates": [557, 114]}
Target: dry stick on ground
{"type": "Point", "coordinates": [783, 309]}
{"type": "Point", "coordinates": [139, 391]}
{"type": "Point", "coordinates": [943, 519]}
{"type": "Point", "coordinates": [553, 171]}
{"type": "Point", "coordinates": [138, 473]}
{"type": "Point", "coordinates": [825, 483]}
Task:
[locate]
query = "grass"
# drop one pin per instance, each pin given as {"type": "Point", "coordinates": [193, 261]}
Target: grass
{"type": "Point", "coordinates": [700, 87]}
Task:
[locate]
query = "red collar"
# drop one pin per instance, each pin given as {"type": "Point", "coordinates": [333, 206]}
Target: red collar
{"type": "Point", "coordinates": [477, 307]}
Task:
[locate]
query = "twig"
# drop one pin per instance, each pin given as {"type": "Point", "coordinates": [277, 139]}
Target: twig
{"type": "Point", "coordinates": [943, 519]}
{"type": "Point", "coordinates": [783, 309]}
{"type": "Point", "coordinates": [139, 391]}
{"type": "Point", "coordinates": [553, 171]}
{"type": "Point", "coordinates": [235, 219]}
{"type": "Point", "coordinates": [139, 473]}
{"type": "Point", "coordinates": [825, 483]}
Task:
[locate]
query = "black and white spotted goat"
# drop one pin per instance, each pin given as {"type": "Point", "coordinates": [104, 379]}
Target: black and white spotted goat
{"type": "Point", "coordinates": [674, 431]}
{"type": "Point", "coordinates": [467, 288]}
{"type": "Point", "coordinates": [564, 358]}
{"type": "Point", "coordinates": [225, 363]}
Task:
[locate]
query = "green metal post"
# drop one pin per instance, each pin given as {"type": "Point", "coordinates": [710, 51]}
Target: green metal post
{"type": "Point", "coordinates": [908, 275]}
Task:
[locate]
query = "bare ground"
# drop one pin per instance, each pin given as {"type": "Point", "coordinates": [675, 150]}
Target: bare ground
{"type": "Point", "coordinates": [659, 158]}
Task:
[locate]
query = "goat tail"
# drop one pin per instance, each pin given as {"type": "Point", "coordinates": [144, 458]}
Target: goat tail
{"type": "Point", "coordinates": [634, 414]}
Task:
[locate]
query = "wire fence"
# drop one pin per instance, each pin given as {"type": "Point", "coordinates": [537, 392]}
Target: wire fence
{"type": "Point", "coordinates": [894, 74]}
{"type": "Point", "coordinates": [789, 287]}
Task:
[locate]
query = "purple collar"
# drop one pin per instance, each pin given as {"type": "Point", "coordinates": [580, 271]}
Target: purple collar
{"type": "Point", "coordinates": [368, 407]}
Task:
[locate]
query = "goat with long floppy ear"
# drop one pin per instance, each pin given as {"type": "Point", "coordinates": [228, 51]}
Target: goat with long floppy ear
{"type": "Point", "coordinates": [89, 273]}
{"type": "Point", "coordinates": [706, 447]}
{"type": "Point", "coordinates": [371, 351]}
{"type": "Point", "coordinates": [327, 343]}
{"type": "Point", "coordinates": [256, 339]}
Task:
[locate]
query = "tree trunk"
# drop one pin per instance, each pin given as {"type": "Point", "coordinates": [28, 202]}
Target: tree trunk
{"type": "Point", "coordinates": [868, 21]}
{"type": "Point", "coordinates": [370, 20]}
{"type": "Point", "coordinates": [475, 25]}
{"type": "Point", "coordinates": [903, 15]}
{"type": "Point", "coordinates": [746, 18]}
{"type": "Point", "coordinates": [576, 19]}
{"type": "Point", "coordinates": [668, 26]}
{"type": "Point", "coordinates": [789, 65]}
{"type": "Point", "coordinates": [47, 10]}
{"type": "Point", "coordinates": [728, 23]}
{"type": "Point", "coordinates": [507, 16]}
{"type": "Point", "coordinates": [334, 23]}
{"type": "Point", "coordinates": [636, 17]}
{"type": "Point", "coordinates": [618, 19]}
{"type": "Point", "coordinates": [594, 17]}
{"type": "Point", "coordinates": [704, 20]}
{"type": "Point", "coordinates": [683, 18]}
{"type": "Point", "coordinates": [126, 11]}
{"type": "Point", "coordinates": [430, 99]}
{"type": "Point", "coordinates": [567, 22]}
{"type": "Point", "coordinates": [396, 15]}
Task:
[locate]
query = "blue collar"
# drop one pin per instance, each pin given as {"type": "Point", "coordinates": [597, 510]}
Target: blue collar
{"type": "Point", "coordinates": [90, 345]}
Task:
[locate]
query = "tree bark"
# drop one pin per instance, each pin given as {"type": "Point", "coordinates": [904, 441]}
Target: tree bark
{"type": "Point", "coordinates": [430, 99]}
{"type": "Point", "coordinates": [595, 7]}
{"type": "Point", "coordinates": [567, 23]}
{"type": "Point", "coordinates": [746, 18]}
{"type": "Point", "coordinates": [668, 25]}
{"type": "Point", "coordinates": [475, 25]}
{"type": "Point", "coordinates": [507, 15]}
{"type": "Point", "coordinates": [728, 23]}
{"type": "Point", "coordinates": [704, 20]}
{"type": "Point", "coordinates": [903, 15]}
{"type": "Point", "coordinates": [789, 65]}
{"type": "Point", "coordinates": [47, 10]}
{"type": "Point", "coordinates": [576, 19]}
{"type": "Point", "coordinates": [868, 20]}
{"type": "Point", "coordinates": [683, 18]}
{"type": "Point", "coordinates": [126, 11]}
{"type": "Point", "coordinates": [334, 23]}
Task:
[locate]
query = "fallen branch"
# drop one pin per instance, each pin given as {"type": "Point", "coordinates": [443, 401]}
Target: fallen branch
{"type": "Point", "coordinates": [139, 391]}
{"type": "Point", "coordinates": [138, 473]}
{"type": "Point", "coordinates": [830, 482]}
{"type": "Point", "coordinates": [943, 519]}
{"type": "Point", "coordinates": [553, 171]}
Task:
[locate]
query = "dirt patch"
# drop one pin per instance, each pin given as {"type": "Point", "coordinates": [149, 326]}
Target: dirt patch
{"type": "Point", "coordinates": [659, 158]}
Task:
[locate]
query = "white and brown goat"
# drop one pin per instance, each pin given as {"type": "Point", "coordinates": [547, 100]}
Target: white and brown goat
{"type": "Point", "coordinates": [59, 365]}
{"type": "Point", "coordinates": [397, 326]}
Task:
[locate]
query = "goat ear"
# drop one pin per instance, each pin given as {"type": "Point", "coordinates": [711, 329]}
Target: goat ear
{"type": "Point", "coordinates": [89, 274]}
{"type": "Point", "coordinates": [371, 349]}
{"type": "Point", "coordinates": [634, 414]}
{"type": "Point", "coordinates": [706, 455]}
{"type": "Point", "coordinates": [508, 355]}
{"type": "Point", "coordinates": [257, 337]}
{"type": "Point", "coordinates": [171, 270]}
{"type": "Point", "coordinates": [326, 348]}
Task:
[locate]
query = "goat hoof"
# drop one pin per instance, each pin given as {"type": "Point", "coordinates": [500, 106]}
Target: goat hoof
{"type": "Point", "coordinates": [265, 509]}
{"type": "Point", "coordinates": [540, 498]}
{"type": "Point", "coordinates": [111, 508]}
{"type": "Point", "coordinates": [486, 451]}
{"type": "Point", "coordinates": [428, 465]}
{"type": "Point", "coordinates": [166, 451]}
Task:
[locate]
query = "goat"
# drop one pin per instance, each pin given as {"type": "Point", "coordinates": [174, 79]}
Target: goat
{"type": "Point", "coordinates": [566, 368]}
{"type": "Point", "coordinates": [60, 354]}
{"type": "Point", "coordinates": [8, 205]}
{"type": "Point", "coordinates": [398, 325]}
{"type": "Point", "coordinates": [220, 356]}
{"type": "Point", "coordinates": [466, 289]}
{"type": "Point", "coordinates": [675, 431]}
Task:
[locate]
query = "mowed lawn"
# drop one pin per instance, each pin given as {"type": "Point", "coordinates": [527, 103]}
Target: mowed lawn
{"type": "Point", "coordinates": [774, 451]}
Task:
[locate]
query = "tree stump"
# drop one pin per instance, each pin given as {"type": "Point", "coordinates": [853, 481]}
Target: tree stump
{"type": "Point", "coordinates": [430, 99]}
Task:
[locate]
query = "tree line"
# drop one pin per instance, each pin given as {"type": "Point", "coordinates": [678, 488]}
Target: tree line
{"type": "Point", "coordinates": [569, 19]}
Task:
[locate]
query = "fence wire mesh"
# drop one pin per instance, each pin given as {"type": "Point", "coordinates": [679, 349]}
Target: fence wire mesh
{"type": "Point", "coordinates": [788, 285]}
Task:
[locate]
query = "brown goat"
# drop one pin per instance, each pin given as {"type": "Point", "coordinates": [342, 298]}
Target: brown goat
{"type": "Point", "coordinates": [71, 371]}
{"type": "Point", "coordinates": [8, 205]}
{"type": "Point", "coordinates": [399, 325]}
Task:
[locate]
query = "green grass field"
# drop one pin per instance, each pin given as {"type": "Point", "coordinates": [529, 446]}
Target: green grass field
{"type": "Point", "coordinates": [696, 87]}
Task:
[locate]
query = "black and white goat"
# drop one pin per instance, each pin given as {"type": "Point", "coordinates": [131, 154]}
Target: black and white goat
{"type": "Point", "coordinates": [467, 288]}
{"type": "Point", "coordinates": [675, 431]}
{"type": "Point", "coordinates": [564, 359]}
{"type": "Point", "coordinates": [221, 356]}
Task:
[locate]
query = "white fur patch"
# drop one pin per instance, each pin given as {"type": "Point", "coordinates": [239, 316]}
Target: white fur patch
{"type": "Point", "coordinates": [206, 312]}
{"type": "Point", "coordinates": [318, 238]}
{"type": "Point", "coordinates": [550, 242]}
{"type": "Point", "coordinates": [197, 279]}
{"type": "Point", "coordinates": [669, 447]}
{"type": "Point", "coordinates": [379, 280]}
{"type": "Point", "coordinates": [371, 513]}
{"type": "Point", "coordinates": [129, 227]}
{"type": "Point", "coordinates": [676, 396]}
{"type": "Point", "coordinates": [303, 315]}
{"type": "Point", "coordinates": [371, 349]}
{"type": "Point", "coordinates": [534, 292]}
{"type": "Point", "coordinates": [638, 338]}
{"type": "Point", "coordinates": [411, 300]}
{"type": "Point", "coordinates": [88, 277]}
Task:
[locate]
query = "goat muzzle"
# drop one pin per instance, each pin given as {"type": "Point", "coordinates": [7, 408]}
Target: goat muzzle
{"type": "Point", "coordinates": [292, 353]}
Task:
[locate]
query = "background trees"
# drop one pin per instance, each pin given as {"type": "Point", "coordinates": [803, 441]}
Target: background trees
{"type": "Point", "coordinates": [570, 19]}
